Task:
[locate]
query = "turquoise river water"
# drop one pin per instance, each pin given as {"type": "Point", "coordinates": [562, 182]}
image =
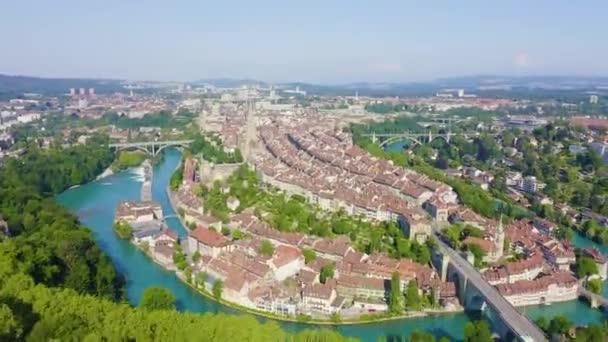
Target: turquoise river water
{"type": "Point", "coordinates": [95, 203]}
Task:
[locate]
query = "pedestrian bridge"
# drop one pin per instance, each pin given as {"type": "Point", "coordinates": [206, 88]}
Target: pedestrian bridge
{"type": "Point", "coordinates": [151, 147]}
{"type": "Point", "coordinates": [594, 299]}
{"type": "Point", "coordinates": [514, 321]}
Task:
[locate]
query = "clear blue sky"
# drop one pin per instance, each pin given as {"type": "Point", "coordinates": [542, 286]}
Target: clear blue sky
{"type": "Point", "coordinates": [321, 41]}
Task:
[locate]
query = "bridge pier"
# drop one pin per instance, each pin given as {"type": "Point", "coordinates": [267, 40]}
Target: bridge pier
{"type": "Point", "coordinates": [462, 289]}
{"type": "Point", "coordinates": [594, 303]}
{"type": "Point", "coordinates": [445, 263]}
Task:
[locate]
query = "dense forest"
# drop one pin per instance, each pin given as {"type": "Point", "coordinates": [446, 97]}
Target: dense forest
{"type": "Point", "coordinates": [46, 241]}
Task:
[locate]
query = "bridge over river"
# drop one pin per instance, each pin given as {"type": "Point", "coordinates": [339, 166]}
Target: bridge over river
{"type": "Point", "coordinates": [152, 147]}
{"type": "Point", "coordinates": [517, 323]}
{"type": "Point", "coordinates": [594, 299]}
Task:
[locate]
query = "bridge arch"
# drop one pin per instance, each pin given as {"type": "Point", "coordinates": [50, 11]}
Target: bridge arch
{"type": "Point", "coordinates": [151, 147]}
{"type": "Point", "coordinates": [442, 137]}
{"type": "Point", "coordinates": [162, 147]}
{"type": "Point", "coordinates": [132, 148]}
{"type": "Point", "coordinates": [395, 139]}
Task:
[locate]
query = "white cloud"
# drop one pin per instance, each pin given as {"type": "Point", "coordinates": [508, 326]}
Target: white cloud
{"type": "Point", "coordinates": [521, 59]}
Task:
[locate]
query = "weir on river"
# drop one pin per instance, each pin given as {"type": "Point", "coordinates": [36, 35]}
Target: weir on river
{"type": "Point", "coordinates": [96, 202]}
{"type": "Point", "coordinates": [146, 187]}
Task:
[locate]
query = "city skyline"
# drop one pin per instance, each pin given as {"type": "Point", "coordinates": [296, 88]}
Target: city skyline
{"type": "Point", "coordinates": [326, 43]}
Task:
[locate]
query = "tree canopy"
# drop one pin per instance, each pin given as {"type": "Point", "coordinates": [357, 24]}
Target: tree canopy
{"type": "Point", "coordinates": [157, 298]}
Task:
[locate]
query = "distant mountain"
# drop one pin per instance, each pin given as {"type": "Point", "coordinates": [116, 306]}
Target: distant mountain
{"type": "Point", "coordinates": [544, 82]}
{"type": "Point", "coordinates": [15, 86]}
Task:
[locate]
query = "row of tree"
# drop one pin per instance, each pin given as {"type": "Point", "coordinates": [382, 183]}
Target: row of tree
{"type": "Point", "coordinates": [37, 313]}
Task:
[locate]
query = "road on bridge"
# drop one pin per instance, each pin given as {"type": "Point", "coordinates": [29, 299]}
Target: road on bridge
{"type": "Point", "coordinates": [518, 323]}
{"type": "Point", "coordinates": [150, 143]}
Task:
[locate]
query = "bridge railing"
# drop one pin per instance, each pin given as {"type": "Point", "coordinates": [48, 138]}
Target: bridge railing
{"type": "Point", "coordinates": [452, 254]}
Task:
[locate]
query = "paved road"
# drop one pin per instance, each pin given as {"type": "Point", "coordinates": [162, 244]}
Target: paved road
{"type": "Point", "coordinates": [151, 143]}
{"type": "Point", "coordinates": [521, 326]}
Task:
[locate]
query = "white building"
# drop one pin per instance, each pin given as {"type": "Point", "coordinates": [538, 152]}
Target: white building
{"type": "Point", "coordinates": [318, 299]}
{"type": "Point", "coordinates": [29, 117]}
{"type": "Point", "coordinates": [594, 99]}
{"type": "Point", "coordinates": [286, 262]}
{"type": "Point", "coordinates": [530, 184]}
{"type": "Point", "coordinates": [558, 287]}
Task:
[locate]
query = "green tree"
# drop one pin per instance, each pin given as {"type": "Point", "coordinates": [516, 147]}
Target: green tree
{"type": "Point", "coordinates": [592, 333]}
{"type": "Point", "coordinates": [188, 274]}
{"type": "Point", "coordinates": [594, 285]}
{"type": "Point", "coordinates": [413, 301]}
{"type": "Point", "coordinates": [396, 298]}
{"type": "Point", "coordinates": [157, 298]}
{"type": "Point", "coordinates": [267, 248]}
{"type": "Point", "coordinates": [542, 323]}
{"type": "Point", "coordinates": [9, 325]}
{"type": "Point", "coordinates": [196, 256]}
{"type": "Point", "coordinates": [218, 288]}
{"type": "Point", "coordinates": [559, 325]}
{"type": "Point", "coordinates": [128, 159]}
{"type": "Point", "coordinates": [478, 253]}
{"type": "Point", "coordinates": [309, 255]}
{"type": "Point", "coordinates": [585, 266]}
{"type": "Point", "coordinates": [237, 234]}
{"type": "Point", "coordinates": [422, 336]}
{"type": "Point", "coordinates": [327, 272]}
{"type": "Point", "coordinates": [477, 331]}
{"type": "Point", "coordinates": [123, 230]}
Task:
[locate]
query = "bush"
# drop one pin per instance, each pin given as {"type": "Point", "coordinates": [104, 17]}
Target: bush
{"type": "Point", "coordinates": [123, 230]}
{"type": "Point", "coordinates": [157, 298]}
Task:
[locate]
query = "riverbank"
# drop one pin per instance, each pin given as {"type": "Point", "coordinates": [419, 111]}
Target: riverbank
{"type": "Point", "coordinates": [106, 173]}
{"type": "Point", "coordinates": [328, 322]}
{"type": "Point", "coordinates": [128, 160]}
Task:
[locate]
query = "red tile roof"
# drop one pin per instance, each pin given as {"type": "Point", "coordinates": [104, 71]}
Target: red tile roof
{"type": "Point", "coordinates": [209, 237]}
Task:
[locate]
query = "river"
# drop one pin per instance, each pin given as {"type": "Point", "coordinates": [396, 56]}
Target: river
{"type": "Point", "coordinates": [96, 202]}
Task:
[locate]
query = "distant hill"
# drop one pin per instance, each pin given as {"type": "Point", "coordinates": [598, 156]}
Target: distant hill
{"type": "Point", "coordinates": [229, 82]}
{"type": "Point", "coordinates": [545, 82]}
{"type": "Point", "coordinates": [484, 85]}
{"type": "Point", "coordinates": [15, 86]}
